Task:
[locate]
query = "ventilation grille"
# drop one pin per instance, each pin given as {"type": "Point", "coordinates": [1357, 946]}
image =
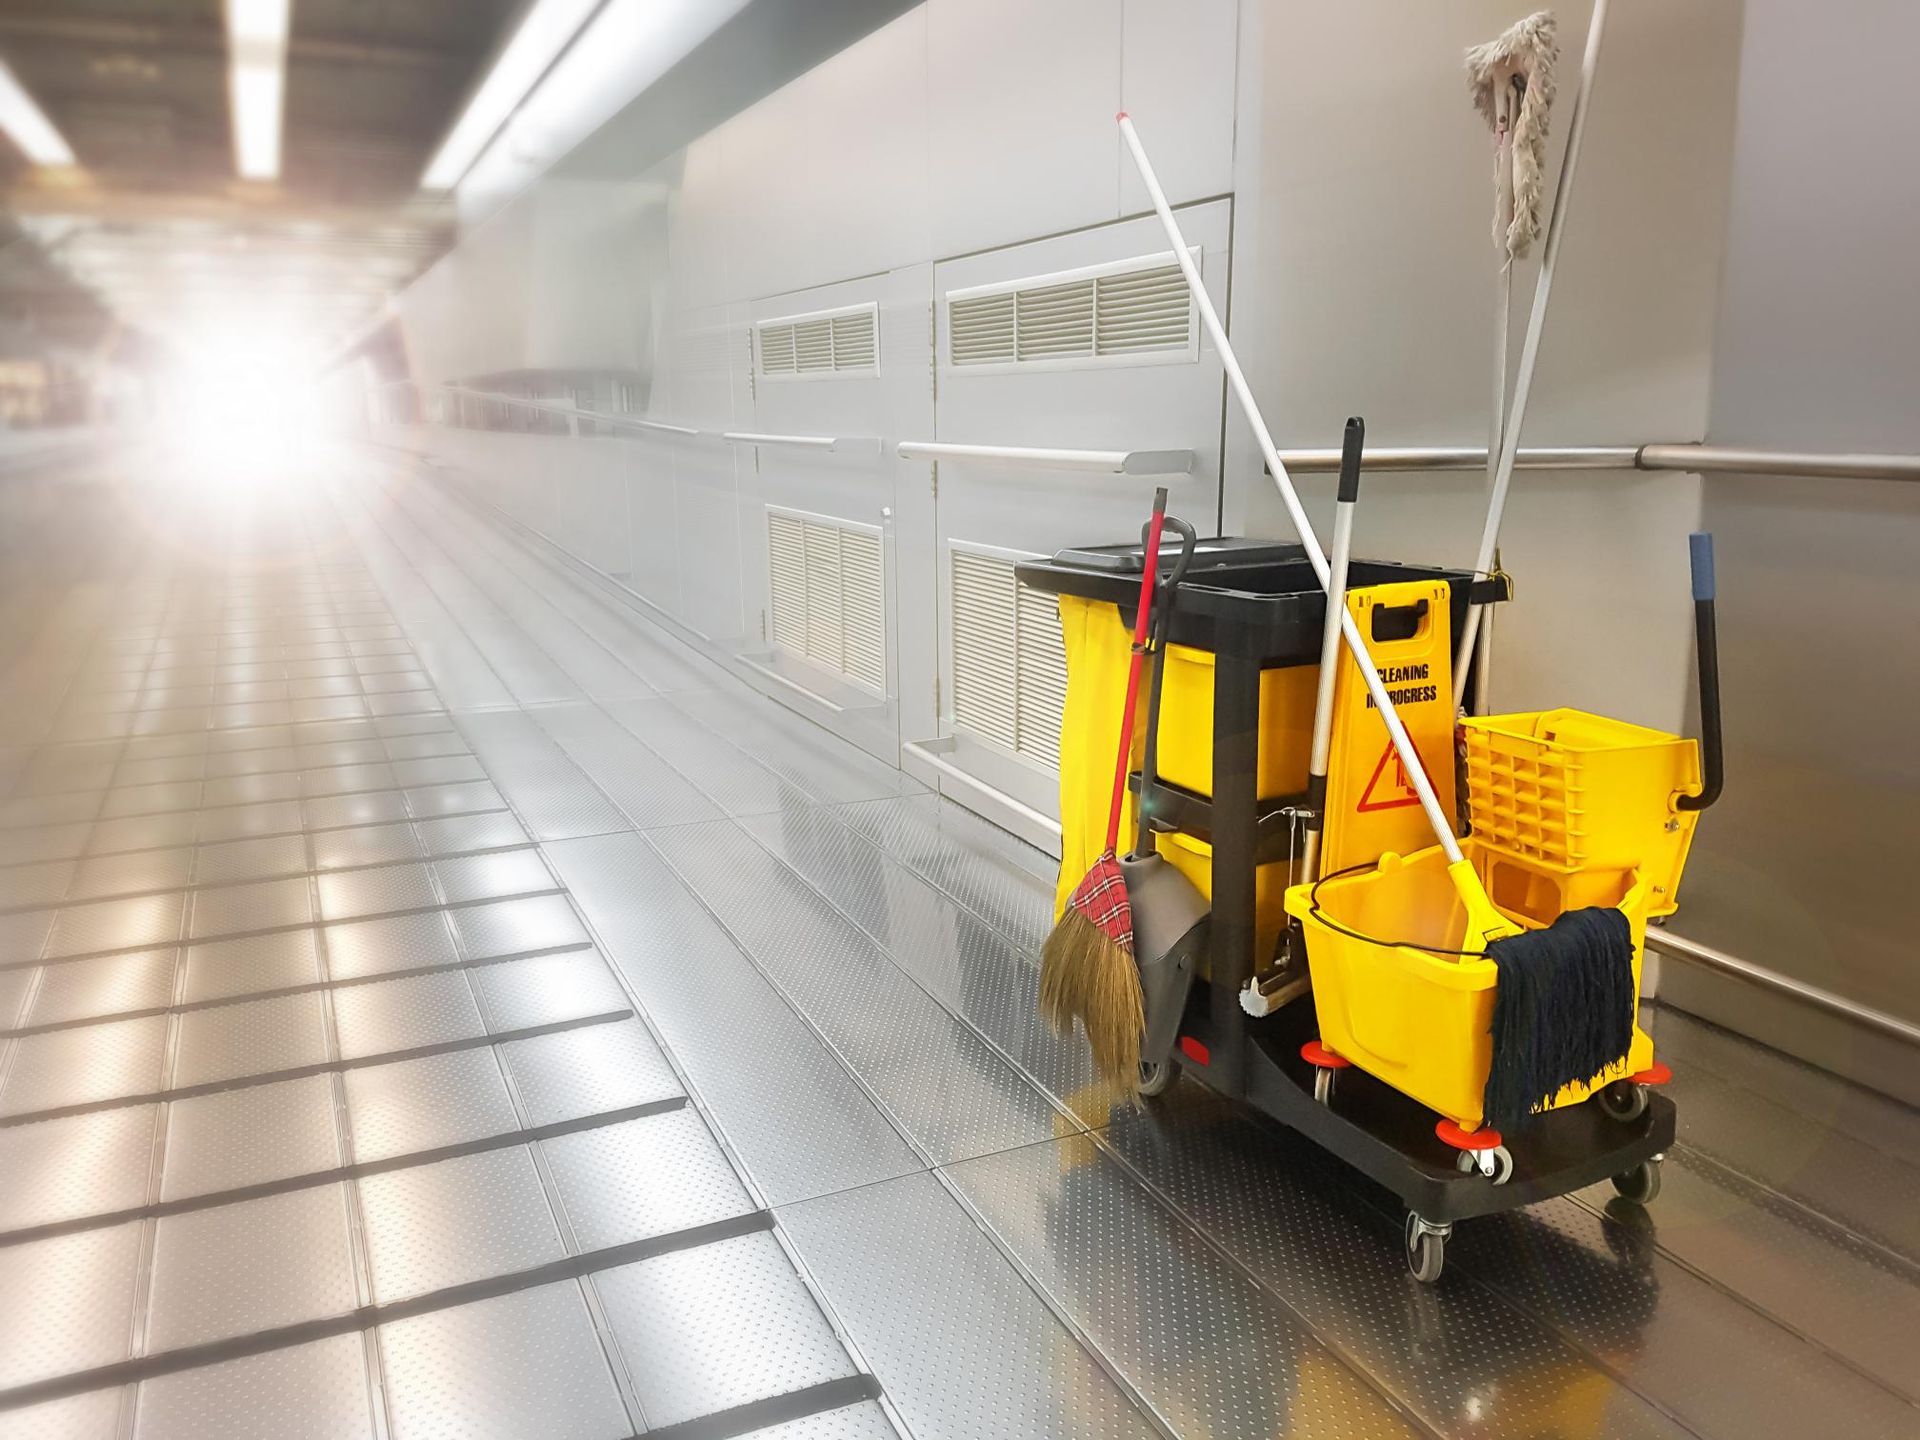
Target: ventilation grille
{"type": "Point", "coordinates": [1123, 313]}
{"type": "Point", "coordinates": [827, 600]}
{"type": "Point", "coordinates": [827, 343]}
{"type": "Point", "coordinates": [1009, 658]}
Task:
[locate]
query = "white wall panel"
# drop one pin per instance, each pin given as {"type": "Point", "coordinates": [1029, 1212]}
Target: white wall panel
{"type": "Point", "coordinates": [865, 158]}
{"type": "Point", "coordinates": [653, 518]}
{"type": "Point", "coordinates": [597, 516]}
{"type": "Point", "coordinates": [594, 246]}
{"type": "Point", "coordinates": [1022, 139]}
{"type": "Point", "coordinates": [1168, 405]}
{"type": "Point", "coordinates": [1364, 284]}
{"type": "Point", "coordinates": [1177, 79]}
{"type": "Point", "coordinates": [700, 239]}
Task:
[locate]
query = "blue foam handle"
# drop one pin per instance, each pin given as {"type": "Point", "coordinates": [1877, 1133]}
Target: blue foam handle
{"type": "Point", "coordinates": [1700, 546]}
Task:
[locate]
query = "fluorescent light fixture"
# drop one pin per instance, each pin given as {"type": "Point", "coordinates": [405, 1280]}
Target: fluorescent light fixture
{"type": "Point", "coordinates": [27, 125]}
{"type": "Point", "coordinates": [257, 49]}
{"type": "Point", "coordinates": [545, 32]}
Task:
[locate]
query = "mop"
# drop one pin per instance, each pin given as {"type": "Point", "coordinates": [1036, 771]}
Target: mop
{"type": "Point", "coordinates": [1569, 944]}
{"type": "Point", "coordinates": [1525, 54]}
{"type": "Point", "coordinates": [1087, 970]}
{"type": "Point", "coordinates": [1511, 80]}
{"type": "Point", "coordinates": [1563, 1009]}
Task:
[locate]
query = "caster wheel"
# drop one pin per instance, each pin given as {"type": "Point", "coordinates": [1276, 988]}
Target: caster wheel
{"type": "Point", "coordinates": [1496, 1164]}
{"type": "Point", "coordinates": [1426, 1250]}
{"type": "Point", "coordinates": [1157, 1077]}
{"type": "Point", "coordinates": [1641, 1184]}
{"type": "Point", "coordinates": [1323, 1085]}
{"type": "Point", "coordinates": [1623, 1100]}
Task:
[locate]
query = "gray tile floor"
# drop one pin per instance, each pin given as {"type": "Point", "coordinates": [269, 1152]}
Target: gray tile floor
{"type": "Point", "coordinates": [436, 1001]}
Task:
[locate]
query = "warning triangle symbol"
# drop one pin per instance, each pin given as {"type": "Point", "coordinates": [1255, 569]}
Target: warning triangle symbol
{"type": "Point", "coordinates": [1389, 788]}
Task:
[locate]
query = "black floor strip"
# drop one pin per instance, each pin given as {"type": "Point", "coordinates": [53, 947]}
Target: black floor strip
{"type": "Point", "coordinates": [167, 944]}
{"type": "Point", "coordinates": [194, 887]}
{"type": "Point", "coordinates": [190, 1357]}
{"type": "Point", "coordinates": [85, 854]}
{"type": "Point", "coordinates": [307, 1181]}
{"type": "Point", "coordinates": [324, 1067]}
{"type": "Point", "coordinates": [344, 982]}
{"type": "Point", "coordinates": [774, 1410]}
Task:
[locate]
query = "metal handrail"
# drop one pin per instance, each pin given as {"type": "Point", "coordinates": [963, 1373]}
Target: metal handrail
{"type": "Point", "coordinates": [1681, 948]}
{"type": "Point", "coordinates": [562, 407]}
{"type": "Point", "coordinates": [1103, 462]}
{"type": "Point", "coordinates": [836, 444]}
{"type": "Point", "coordinates": [1733, 459]}
{"type": "Point", "coordinates": [1691, 457]}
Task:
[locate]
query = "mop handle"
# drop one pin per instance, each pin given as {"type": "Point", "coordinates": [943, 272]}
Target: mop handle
{"type": "Point", "coordinates": [1210, 319]}
{"type": "Point", "coordinates": [1530, 347]}
{"type": "Point", "coordinates": [1321, 749]}
{"type": "Point", "coordinates": [1149, 576]}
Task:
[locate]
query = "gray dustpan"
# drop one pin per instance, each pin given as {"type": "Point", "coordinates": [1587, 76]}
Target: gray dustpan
{"type": "Point", "coordinates": [1170, 915]}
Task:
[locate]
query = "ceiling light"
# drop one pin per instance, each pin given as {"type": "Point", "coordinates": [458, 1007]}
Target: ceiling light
{"type": "Point", "coordinates": [546, 31]}
{"type": "Point", "coordinates": [257, 49]}
{"type": "Point", "coordinates": [27, 125]}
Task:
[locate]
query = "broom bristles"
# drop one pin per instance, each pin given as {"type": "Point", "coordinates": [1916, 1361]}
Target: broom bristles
{"type": "Point", "coordinates": [1085, 976]}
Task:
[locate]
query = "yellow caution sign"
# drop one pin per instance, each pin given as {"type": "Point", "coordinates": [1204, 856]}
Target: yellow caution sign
{"type": "Point", "coordinates": [1371, 805]}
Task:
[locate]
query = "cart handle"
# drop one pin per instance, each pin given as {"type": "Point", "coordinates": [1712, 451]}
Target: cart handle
{"type": "Point", "coordinates": [1707, 648]}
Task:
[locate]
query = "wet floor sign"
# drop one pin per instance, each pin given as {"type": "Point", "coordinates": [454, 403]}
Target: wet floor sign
{"type": "Point", "coordinates": [1371, 806]}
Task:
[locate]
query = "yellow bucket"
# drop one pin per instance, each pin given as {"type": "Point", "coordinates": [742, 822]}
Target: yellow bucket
{"type": "Point", "coordinates": [1417, 1020]}
{"type": "Point", "coordinates": [1564, 802]}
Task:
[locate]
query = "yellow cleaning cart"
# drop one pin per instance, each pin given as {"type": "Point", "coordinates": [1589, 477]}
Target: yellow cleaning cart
{"type": "Point", "coordinates": [1399, 1024]}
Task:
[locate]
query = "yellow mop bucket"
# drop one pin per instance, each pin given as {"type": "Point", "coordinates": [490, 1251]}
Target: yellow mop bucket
{"type": "Point", "coordinates": [1393, 999]}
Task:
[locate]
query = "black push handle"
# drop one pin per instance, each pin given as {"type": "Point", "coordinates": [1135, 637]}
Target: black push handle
{"type": "Point", "coordinates": [1706, 643]}
{"type": "Point", "coordinates": [1350, 448]}
{"type": "Point", "coordinates": [1162, 613]}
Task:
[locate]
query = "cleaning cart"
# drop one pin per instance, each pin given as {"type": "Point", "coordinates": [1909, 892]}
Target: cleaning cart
{"type": "Point", "coordinates": [1381, 1060]}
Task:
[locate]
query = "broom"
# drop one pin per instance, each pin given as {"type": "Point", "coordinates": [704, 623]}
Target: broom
{"type": "Point", "coordinates": [1087, 971]}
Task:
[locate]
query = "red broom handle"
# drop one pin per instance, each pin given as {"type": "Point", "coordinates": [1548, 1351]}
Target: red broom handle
{"type": "Point", "coordinates": [1149, 574]}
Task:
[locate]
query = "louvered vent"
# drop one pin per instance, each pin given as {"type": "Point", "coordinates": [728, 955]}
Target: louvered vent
{"type": "Point", "coordinates": [826, 343]}
{"type": "Point", "coordinates": [1054, 321]}
{"type": "Point", "coordinates": [1040, 684]}
{"type": "Point", "coordinates": [1120, 313]}
{"type": "Point", "coordinates": [1142, 312]}
{"type": "Point", "coordinates": [827, 597]}
{"type": "Point", "coordinates": [787, 577]}
{"type": "Point", "coordinates": [980, 329]}
{"type": "Point", "coordinates": [863, 624]}
{"type": "Point", "coordinates": [1009, 658]}
{"type": "Point", "coordinates": [853, 341]}
{"type": "Point", "coordinates": [776, 349]}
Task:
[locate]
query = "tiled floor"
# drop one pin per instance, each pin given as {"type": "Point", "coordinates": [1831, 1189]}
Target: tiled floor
{"type": "Point", "coordinates": [437, 1001]}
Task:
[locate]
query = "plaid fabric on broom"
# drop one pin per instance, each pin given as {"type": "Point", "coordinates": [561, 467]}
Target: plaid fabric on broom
{"type": "Point", "coordinates": [1102, 898]}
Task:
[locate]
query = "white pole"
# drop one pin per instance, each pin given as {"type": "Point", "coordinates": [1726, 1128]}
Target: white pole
{"type": "Point", "coordinates": [1530, 348]}
{"type": "Point", "coordinates": [1210, 319]}
{"type": "Point", "coordinates": [1502, 328]}
{"type": "Point", "coordinates": [1322, 748]}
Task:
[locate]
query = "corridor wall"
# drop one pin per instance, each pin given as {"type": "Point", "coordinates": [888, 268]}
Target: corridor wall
{"type": "Point", "coordinates": [1332, 174]}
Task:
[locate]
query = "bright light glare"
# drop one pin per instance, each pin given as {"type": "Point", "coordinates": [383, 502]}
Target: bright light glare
{"type": "Point", "coordinates": [239, 412]}
{"type": "Point", "coordinates": [257, 44]}
{"type": "Point", "coordinates": [27, 125]}
{"type": "Point", "coordinates": [541, 36]}
{"type": "Point", "coordinates": [260, 22]}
